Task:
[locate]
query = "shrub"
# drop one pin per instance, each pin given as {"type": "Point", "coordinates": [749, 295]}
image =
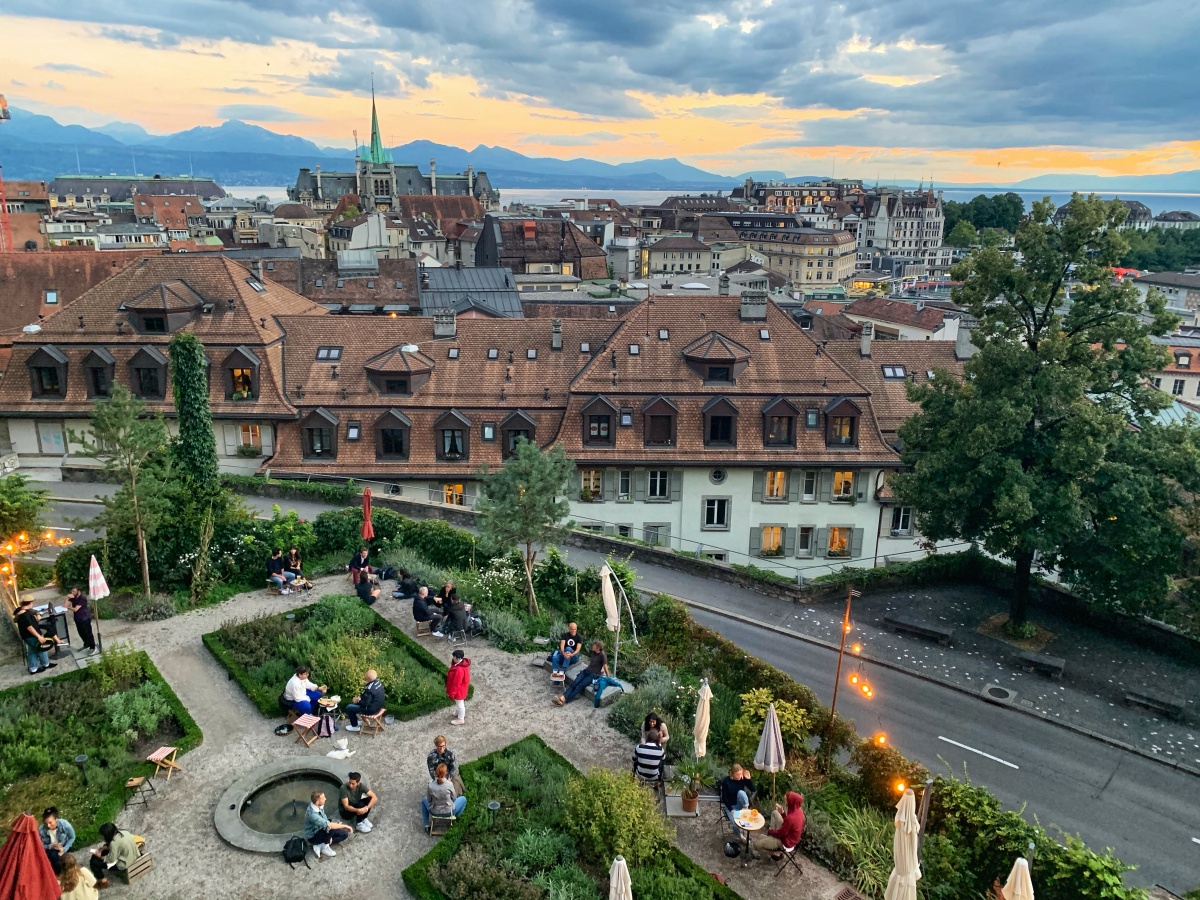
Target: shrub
{"type": "Point", "coordinates": [32, 575]}
{"type": "Point", "coordinates": [881, 770]}
{"type": "Point", "coordinates": [340, 530]}
{"type": "Point", "coordinates": [611, 815]}
{"type": "Point", "coordinates": [537, 849]}
{"type": "Point", "coordinates": [421, 569]}
{"type": "Point", "coordinates": [136, 713]}
{"type": "Point", "coordinates": [156, 608]}
{"type": "Point", "coordinates": [471, 875]}
{"type": "Point", "coordinates": [865, 835]}
{"type": "Point", "coordinates": [328, 491]}
{"type": "Point", "coordinates": [746, 731]}
{"type": "Point", "coordinates": [567, 882]}
{"type": "Point", "coordinates": [506, 630]}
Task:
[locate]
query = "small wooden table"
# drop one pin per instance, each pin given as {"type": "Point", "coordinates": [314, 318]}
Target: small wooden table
{"type": "Point", "coordinates": [164, 761]}
{"type": "Point", "coordinates": [306, 729]}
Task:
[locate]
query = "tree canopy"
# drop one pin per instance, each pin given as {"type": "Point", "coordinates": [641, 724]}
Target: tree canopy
{"type": "Point", "coordinates": [963, 234]}
{"type": "Point", "coordinates": [20, 506]}
{"type": "Point", "coordinates": [1162, 249]}
{"type": "Point", "coordinates": [1001, 211]}
{"type": "Point", "coordinates": [1049, 447]}
{"type": "Point", "coordinates": [524, 504]}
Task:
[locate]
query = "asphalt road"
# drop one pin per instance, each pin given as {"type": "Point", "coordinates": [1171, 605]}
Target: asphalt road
{"type": "Point", "coordinates": [1149, 814]}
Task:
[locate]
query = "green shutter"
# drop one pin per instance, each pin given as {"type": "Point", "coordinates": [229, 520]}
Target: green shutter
{"type": "Point", "coordinates": [822, 544]}
{"type": "Point", "coordinates": [609, 482]}
{"type": "Point", "coordinates": [789, 542]}
{"type": "Point", "coordinates": [856, 542]}
{"type": "Point", "coordinates": [639, 484]}
{"type": "Point", "coordinates": [760, 479]}
{"type": "Point", "coordinates": [825, 486]}
{"type": "Point", "coordinates": [755, 541]}
{"type": "Point", "coordinates": [676, 484]}
{"type": "Point", "coordinates": [795, 483]}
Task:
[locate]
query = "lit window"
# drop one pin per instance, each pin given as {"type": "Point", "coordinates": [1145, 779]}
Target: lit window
{"type": "Point", "coordinates": [843, 485]}
{"type": "Point", "coordinates": [453, 494]}
{"type": "Point", "coordinates": [775, 485]}
{"type": "Point", "coordinates": [590, 485]}
{"type": "Point", "coordinates": [839, 542]}
{"type": "Point", "coordinates": [251, 436]}
{"type": "Point", "coordinates": [841, 429]}
{"type": "Point", "coordinates": [772, 541]}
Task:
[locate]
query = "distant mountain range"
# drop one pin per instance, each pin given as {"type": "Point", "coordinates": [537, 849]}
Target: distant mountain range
{"type": "Point", "coordinates": [37, 147]}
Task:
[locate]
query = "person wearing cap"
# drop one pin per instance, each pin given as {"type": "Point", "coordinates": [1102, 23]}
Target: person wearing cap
{"type": "Point", "coordinates": [458, 683]}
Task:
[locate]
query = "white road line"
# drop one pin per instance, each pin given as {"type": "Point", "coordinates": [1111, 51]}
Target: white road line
{"type": "Point", "coordinates": [1196, 840]}
{"type": "Point", "coordinates": [1003, 762]}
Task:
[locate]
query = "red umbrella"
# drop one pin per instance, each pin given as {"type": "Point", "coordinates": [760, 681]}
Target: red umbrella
{"type": "Point", "coordinates": [368, 530]}
{"type": "Point", "coordinates": [25, 872]}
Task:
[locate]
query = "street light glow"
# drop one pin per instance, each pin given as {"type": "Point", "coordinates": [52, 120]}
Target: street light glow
{"type": "Point", "coordinates": [881, 739]}
{"type": "Point", "coordinates": [901, 787]}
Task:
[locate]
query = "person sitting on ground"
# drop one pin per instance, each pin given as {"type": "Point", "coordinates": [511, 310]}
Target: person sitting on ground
{"type": "Point", "coordinates": [319, 831]}
{"type": "Point", "coordinates": [597, 666]}
{"type": "Point", "coordinates": [359, 567]}
{"type": "Point", "coordinates": [292, 563]}
{"type": "Point", "coordinates": [406, 585]}
{"type": "Point", "coordinates": [654, 722]}
{"type": "Point", "coordinates": [736, 789]}
{"type": "Point", "coordinates": [57, 837]}
{"type": "Point", "coordinates": [441, 798]}
{"type": "Point", "coordinates": [355, 802]}
{"type": "Point", "coordinates": [118, 852]}
{"type": "Point", "coordinates": [424, 611]}
{"type": "Point", "coordinates": [301, 694]}
{"type": "Point", "coordinates": [368, 703]}
{"type": "Point", "coordinates": [784, 832]}
{"type": "Point", "coordinates": [368, 593]}
{"type": "Point", "coordinates": [76, 883]}
{"type": "Point", "coordinates": [648, 759]}
{"type": "Point", "coordinates": [568, 652]}
{"type": "Point", "coordinates": [36, 643]}
{"type": "Point", "coordinates": [276, 572]}
{"type": "Point", "coordinates": [77, 603]}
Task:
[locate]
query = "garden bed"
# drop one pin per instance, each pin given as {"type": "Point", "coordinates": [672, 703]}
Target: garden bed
{"type": "Point", "coordinates": [555, 832]}
{"type": "Point", "coordinates": [340, 638]}
{"type": "Point", "coordinates": [117, 710]}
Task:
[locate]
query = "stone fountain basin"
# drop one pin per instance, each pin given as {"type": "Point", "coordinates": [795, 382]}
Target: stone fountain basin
{"type": "Point", "coordinates": [228, 815]}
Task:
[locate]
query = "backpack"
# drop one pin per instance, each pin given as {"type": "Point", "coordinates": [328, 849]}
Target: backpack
{"type": "Point", "coordinates": [284, 706]}
{"type": "Point", "coordinates": [387, 574]}
{"type": "Point", "coordinates": [294, 851]}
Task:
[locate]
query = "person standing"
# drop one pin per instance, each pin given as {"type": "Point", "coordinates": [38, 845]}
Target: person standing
{"type": "Point", "coordinates": [597, 666]}
{"type": "Point", "coordinates": [29, 627]}
{"type": "Point", "coordinates": [458, 683]}
{"type": "Point", "coordinates": [319, 831]}
{"type": "Point", "coordinates": [57, 837]}
{"type": "Point", "coordinates": [368, 703]}
{"type": "Point", "coordinates": [77, 603]}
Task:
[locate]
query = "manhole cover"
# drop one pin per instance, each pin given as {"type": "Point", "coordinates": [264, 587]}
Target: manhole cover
{"type": "Point", "coordinates": [994, 693]}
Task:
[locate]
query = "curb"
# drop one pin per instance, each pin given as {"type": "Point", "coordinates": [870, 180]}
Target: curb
{"type": "Point", "coordinates": [933, 679]}
{"type": "Point", "coordinates": [92, 501]}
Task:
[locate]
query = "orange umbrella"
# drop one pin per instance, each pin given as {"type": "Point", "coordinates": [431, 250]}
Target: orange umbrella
{"type": "Point", "coordinates": [368, 530]}
{"type": "Point", "coordinates": [25, 872]}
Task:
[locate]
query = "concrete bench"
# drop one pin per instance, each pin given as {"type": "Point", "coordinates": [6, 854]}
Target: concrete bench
{"type": "Point", "coordinates": [610, 694]}
{"type": "Point", "coordinates": [940, 633]}
{"type": "Point", "coordinates": [1040, 662]}
{"type": "Point", "coordinates": [1167, 705]}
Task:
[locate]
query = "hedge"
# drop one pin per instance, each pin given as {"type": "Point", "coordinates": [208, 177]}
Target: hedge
{"type": "Point", "coordinates": [326, 491]}
{"type": "Point", "coordinates": [416, 877]}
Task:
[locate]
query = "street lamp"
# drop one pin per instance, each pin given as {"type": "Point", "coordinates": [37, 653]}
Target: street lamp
{"type": "Point", "coordinates": [14, 547]}
{"type": "Point", "coordinates": [851, 596]}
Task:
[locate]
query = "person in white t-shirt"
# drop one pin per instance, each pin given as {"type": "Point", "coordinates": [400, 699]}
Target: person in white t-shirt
{"type": "Point", "coordinates": [301, 694]}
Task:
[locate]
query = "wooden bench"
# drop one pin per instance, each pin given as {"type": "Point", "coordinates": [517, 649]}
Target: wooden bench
{"type": "Point", "coordinates": [940, 633]}
{"type": "Point", "coordinates": [306, 729]}
{"type": "Point", "coordinates": [610, 694]}
{"type": "Point", "coordinates": [164, 761]}
{"type": "Point", "coordinates": [144, 864]}
{"type": "Point", "coordinates": [1041, 662]}
{"type": "Point", "coordinates": [1167, 705]}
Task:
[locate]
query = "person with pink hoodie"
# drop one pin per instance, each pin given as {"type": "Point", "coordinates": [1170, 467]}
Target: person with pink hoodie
{"type": "Point", "coordinates": [458, 683]}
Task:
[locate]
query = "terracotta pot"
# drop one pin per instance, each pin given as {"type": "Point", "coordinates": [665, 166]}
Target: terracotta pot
{"type": "Point", "coordinates": [689, 801]}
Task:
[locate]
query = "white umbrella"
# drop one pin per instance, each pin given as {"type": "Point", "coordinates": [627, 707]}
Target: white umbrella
{"type": "Point", "coordinates": [700, 729]}
{"type": "Point", "coordinates": [619, 887]}
{"type": "Point", "coordinates": [612, 614]}
{"type": "Point", "coordinates": [902, 885]}
{"type": "Point", "coordinates": [1019, 885]}
{"type": "Point", "coordinates": [770, 756]}
{"type": "Point", "coordinates": [97, 590]}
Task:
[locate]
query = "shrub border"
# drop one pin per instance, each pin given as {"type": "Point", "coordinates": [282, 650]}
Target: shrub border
{"type": "Point", "coordinates": [269, 705]}
{"type": "Point", "coordinates": [110, 805]}
{"type": "Point", "coordinates": [416, 876]}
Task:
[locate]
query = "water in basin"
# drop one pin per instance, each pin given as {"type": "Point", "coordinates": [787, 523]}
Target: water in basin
{"type": "Point", "coordinates": [278, 808]}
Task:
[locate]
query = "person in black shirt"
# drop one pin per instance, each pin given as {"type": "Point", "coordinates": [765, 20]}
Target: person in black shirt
{"type": "Point", "coordinates": [277, 573]}
{"type": "Point", "coordinates": [568, 652]}
{"type": "Point", "coordinates": [406, 585]}
{"type": "Point", "coordinates": [368, 593]}
{"type": "Point", "coordinates": [29, 626]}
{"type": "Point", "coordinates": [359, 567]}
{"type": "Point", "coordinates": [293, 562]}
{"type": "Point", "coordinates": [597, 666]}
{"type": "Point", "coordinates": [368, 703]}
{"type": "Point", "coordinates": [77, 603]}
{"type": "Point", "coordinates": [736, 790]}
{"type": "Point", "coordinates": [424, 611]}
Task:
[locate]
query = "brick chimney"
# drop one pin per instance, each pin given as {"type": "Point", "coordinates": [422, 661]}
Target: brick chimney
{"type": "Point", "coordinates": [864, 340]}
{"type": "Point", "coordinates": [723, 285]}
{"type": "Point", "coordinates": [754, 306]}
{"type": "Point", "coordinates": [444, 324]}
{"type": "Point", "coordinates": [256, 269]}
{"type": "Point", "coordinates": [556, 334]}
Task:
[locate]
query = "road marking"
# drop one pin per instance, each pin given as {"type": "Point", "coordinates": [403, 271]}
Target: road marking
{"type": "Point", "coordinates": [1003, 762]}
{"type": "Point", "coordinates": [1196, 840]}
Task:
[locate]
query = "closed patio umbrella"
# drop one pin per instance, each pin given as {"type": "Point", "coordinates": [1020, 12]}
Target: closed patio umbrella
{"type": "Point", "coordinates": [770, 756]}
{"type": "Point", "coordinates": [97, 590]}
{"type": "Point", "coordinates": [700, 729]}
{"type": "Point", "coordinates": [368, 529]}
{"type": "Point", "coordinates": [25, 872]}
{"type": "Point", "coordinates": [1019, 885]}
{"type": "Point", "coordinates": [902, 885]}
{"type": "Point", "coordinates": [619, 887]}
{"type": "Point", "coordinates": [612, 613]}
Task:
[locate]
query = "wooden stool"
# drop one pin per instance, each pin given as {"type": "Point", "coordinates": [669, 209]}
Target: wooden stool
{"type": "Point", "coordinates": [164, 761]}
{"type": "Point", "coordinates": [423, 629]}
{"type": "Point", "coordinates": [306, 729]}
{"type": "Point", "coordinates": [137, 790]}
{"type": "Point", "coordinates": [440, 824]}
{"type": "Point", "coordinates": [372, 725]}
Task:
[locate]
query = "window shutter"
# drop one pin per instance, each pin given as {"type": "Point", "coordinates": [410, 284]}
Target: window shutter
{"type": "Point", "coordinates": [664, 536]}
{"type": "Point", "coordinates": [676, 484]}
{"type": "Point", "coordinates": [469, 494]}
{"type": "Point", "coordinates": [609, 483]}
{"type": "Point", "coordinates": [232, 438]}
{"type": "Point", "coordinates": [639, 484]}
{"type": "Point", "coordinates": [856, 542]}
{"type": "Point", "coordinates": [795, 482]}
{"type": "Point", "coordinates": [825, 486]}
{"type": "Point", "coordinates": [755, 541]}
{"type": "Point", "coordinates": [759, 482]}
{"type": "Point", "coordinates": [822, 545]}
{"type": "Point", "coordinates": [577, 483]}
{"type": "Point", "coordinates": [267, 435]}
{"type": "Point", "coordinates": [855, 481]}
{"type": "Point", "coordinates": [789, 542]}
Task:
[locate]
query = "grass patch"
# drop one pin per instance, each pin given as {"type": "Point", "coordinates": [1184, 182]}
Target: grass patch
{"type": "Point", "coordinates": [117, 711]}
{"type": "Point", "coordinates": [340, 638]}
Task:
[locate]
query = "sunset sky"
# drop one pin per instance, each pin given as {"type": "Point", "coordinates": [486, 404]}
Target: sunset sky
{"type": "Point", "coordinates": [962, 90]}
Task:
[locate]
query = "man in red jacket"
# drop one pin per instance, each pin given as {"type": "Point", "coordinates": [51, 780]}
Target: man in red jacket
{"type": "Point", "coordinates": [458, 681]}
{"type": "Point", "coordinates": [785, 830]}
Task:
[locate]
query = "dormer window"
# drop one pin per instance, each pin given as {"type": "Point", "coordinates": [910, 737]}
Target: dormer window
{"type": "Point", "coordinates": [841, 423]}
{"type": "Point", "coordinates": [720, 423]}
{"type": "Point", "coordinates": [48, 373]}
{"type": "Point", "coordinates": [1183, 361]}
{"type": "Point", "coordinates": [148, 374]}
{"type": "Point", "coordinates": [392, 431]}
{"type": "Point", "coordinates": [151, 324]}
{"type": "Point", "coordinates": [658, 422]}
{"type": "Point", "coordinates": [721, 374]}
{"type": "Point", "coordinates": [241, 374]}
{"type": "Point", "coordinates": [599, 421]}
{"type": "Point", "coordinates": [395, 385]}
{"type": "Point", "coordinates": [779, 423]}
{"type": "Point", "coordinates": [319, 435]}
{"type": "Point", "coordinates": [99, 366]}
{"type": "Point", "coordinates": [514, 427]}
{"type": "Point", "coordinates": [452, 431]}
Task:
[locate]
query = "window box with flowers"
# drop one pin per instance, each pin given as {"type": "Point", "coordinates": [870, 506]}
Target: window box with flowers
{"type": "Point", "coordinates": [249, 451]}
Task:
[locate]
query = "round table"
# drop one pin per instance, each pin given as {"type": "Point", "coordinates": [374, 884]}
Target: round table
{"type": "Point", "coordinates": [748, 820]}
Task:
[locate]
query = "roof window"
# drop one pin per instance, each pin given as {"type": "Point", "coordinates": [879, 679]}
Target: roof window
{"type": "Point", "coordinates": [452, 353]}
{"type": "Point", "coordinates": [894, 372]}
{"type": "Point", "coordinates": [493, 353]}
{"type": "Point", "coordinates": [329, 354]}
{"type": "Point", "coordinates": [634, 349]}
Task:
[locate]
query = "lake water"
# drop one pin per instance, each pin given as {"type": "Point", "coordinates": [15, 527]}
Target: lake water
{"type": "Point", "coordinates": [1157, 202]}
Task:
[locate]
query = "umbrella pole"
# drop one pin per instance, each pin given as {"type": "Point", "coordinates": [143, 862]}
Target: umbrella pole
{"type": "Point", "coordinates": [616, 649]}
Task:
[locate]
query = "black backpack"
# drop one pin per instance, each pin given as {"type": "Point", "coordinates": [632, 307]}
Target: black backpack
{"type": "Point", "coordinates": [294, 851]}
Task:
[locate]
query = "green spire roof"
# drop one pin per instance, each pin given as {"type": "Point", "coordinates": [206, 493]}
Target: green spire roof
{"type": "Point", "coordinates": [378, 154]}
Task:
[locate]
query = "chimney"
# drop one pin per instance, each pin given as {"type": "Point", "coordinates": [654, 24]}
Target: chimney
{"type": "Point", "coordinates": [424, 280]}
{"type": "Point", "coordinates": [256, 269]}
{"type": "Point", "coordinates": [470, 180]}
{"type": "Point", "coordinates": [444, 324]}
{"type": "Point", "coordinates": [723, 285]}
{"type": "Point", "coordinates": [433, 176]}
{"type": "Point", "coordinates": [317, 192]}
{"type": "Point", "coordinates": [754, 306]}
{"type": "Point", "coordinates": [864, 340]}
{"type": "Point", "coordinates": [963, 348]}
{"type": "Point", "coordinates": [556, 334]}
{"type": "Point", "coordinates": [920, 305]}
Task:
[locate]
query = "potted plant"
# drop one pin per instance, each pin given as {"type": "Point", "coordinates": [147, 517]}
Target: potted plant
{"type": "Point", "coordinates": [691, 773]}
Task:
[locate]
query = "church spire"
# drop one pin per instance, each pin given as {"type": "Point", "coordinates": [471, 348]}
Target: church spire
{"type": "Point", "coordinates": [378, 153]}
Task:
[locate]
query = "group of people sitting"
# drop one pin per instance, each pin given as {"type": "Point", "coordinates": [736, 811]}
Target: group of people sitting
{"type": "Point", "coordinates": [786, 828]}
{"type": "Point", "coordinates": [569, 652]}
{"type": "Point", "coordinates": [118, 851]}
{"type": "Point", "coordinates": [447, 615]}
{"type": "Point", "coordinates": [302, 696]}
{"type": "Point", "coordinates": [286, 572]}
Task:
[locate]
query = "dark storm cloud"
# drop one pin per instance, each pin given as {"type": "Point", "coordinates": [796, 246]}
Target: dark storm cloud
{"type": "Point", "coordinates": [968, 73]}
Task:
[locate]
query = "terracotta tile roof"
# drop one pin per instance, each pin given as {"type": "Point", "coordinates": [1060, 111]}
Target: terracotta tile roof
{"type": "Point", "coordinates": [1192, 355]}
{"type": "Point", "coordinates": [171, 212]}
{"type": "Point", "coordinates": [899, 312]}
{"type": "Point", "coordinates": [444, 210]}
{"type": "Point", "coordinates": [302, 275]}
{"type": "Point", "coordinates": [889, 395]}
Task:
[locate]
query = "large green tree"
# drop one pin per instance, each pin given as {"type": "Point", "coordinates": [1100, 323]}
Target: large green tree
{"type": "Point", "coordinates": [963, 234]}
{"type": "Point", "coordinates": [1049, 447]}
{"type": "Point", "coordinates": [20, 506]}
{"type": "Point", "coordinates": [524, 504]}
